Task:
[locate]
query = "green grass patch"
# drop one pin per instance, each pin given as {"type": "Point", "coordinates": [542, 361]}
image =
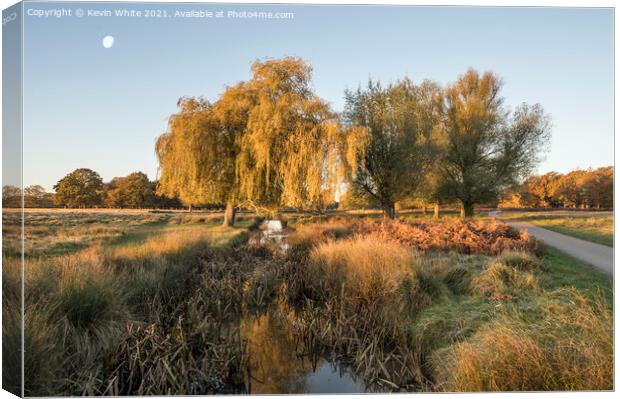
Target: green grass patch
{"type": "Point", "coordinates": [562, 270]}
{"type": "Point", "coordinates": [595, 227]}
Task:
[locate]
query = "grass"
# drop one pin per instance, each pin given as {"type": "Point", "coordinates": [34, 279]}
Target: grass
{"type": "Point", "coordinates": [156, 305]}
{"type": "Point", "coordinates": [447, 304]}
{"type": "Point", "coordinates": [596, 227]}
{"type": "Point", "coordinates": [565, 344]}
{"type": "Point", "coordinates": [83, 305]}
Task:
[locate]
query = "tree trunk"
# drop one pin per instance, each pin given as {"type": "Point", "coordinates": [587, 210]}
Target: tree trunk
{"type": "Point", "coordinates": [424, 210]}
{"type": "Point", "coordinates": [389, 211]}
{"type": "Point", "coordinates": [467, 209]}
{"type": "Point", "coordinates": [436, 210]}
{"type": "Point", "coordinates": [190, 208]}
{"type": "Point", "coordinates": [229, 215]}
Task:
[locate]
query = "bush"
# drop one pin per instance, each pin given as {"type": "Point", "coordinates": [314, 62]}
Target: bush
{"type": "Point", "coordinates": [468, 237]}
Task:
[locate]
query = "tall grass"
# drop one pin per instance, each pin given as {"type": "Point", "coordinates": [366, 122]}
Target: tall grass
{"type": "Point", "coordinates": [81, 307]}
{"type": "Point", "coordinates": [159, 313]}
{"type": "Point", "coordinates": [360, 267]}
{"type": "Point", "coordinates": [566, 345]}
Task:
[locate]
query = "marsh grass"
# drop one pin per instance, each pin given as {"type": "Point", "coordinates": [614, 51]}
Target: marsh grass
{"type": "Point", "coordinates": [80, 306]}
{"type": "Point", "coordinates": [158, 309]}
{"type": "Point", "coordinates": [565, 345]}
{"type": "Point", "coordinates": [444, 303]}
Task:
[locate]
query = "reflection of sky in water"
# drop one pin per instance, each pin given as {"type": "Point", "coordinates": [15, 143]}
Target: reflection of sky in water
{"type": "Point", "coordinates": [327, 379]}
{"type": "Point", "coordinates": [277, 366]}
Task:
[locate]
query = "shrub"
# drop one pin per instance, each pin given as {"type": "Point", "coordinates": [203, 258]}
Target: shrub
{"type": "Point", "coordinates": [468, 237]}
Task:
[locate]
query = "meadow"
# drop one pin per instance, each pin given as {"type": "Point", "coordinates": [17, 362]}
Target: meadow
{"type": "Point", "coordinates": [136, 303]}
{"type": "Point", "coordinates": [591, 226]}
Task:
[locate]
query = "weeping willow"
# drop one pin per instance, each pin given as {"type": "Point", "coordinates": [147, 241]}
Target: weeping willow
{"type": "Point", "coordinates": [266, 143]}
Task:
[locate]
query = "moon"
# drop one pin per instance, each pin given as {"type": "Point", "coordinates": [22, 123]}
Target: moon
{"type": "Point", "coordinates": [108, 41]}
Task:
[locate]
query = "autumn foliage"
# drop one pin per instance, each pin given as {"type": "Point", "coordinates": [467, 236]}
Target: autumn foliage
{"type": "Point", "coordinates": [592, 188]}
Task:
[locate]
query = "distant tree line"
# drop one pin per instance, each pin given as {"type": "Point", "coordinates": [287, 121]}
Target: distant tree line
{"type": "Point", "coordinates": [591, 188]}
{"type": "Point", "coordinates": [34, 197]}
{"type": "Point", "coordinates": [84, 188]}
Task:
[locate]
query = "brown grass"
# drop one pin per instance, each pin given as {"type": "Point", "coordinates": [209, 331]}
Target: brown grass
{"type": "Point", "coordinates": [361, 266]}
{"type": "Point", "coordinates": [468, 237]}
{"type": "Point", "coordinates": [159, 312]}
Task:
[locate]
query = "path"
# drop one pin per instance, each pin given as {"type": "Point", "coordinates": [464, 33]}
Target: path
{"type": "Point", "coordinates": [598, 256]}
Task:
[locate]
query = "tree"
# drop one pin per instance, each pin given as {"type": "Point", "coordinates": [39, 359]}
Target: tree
{"type": "Point", "coordinates": [11, 197]}
{"type": "Point", "coordinates": [197, 155]}
{"type": "Point", "coordinates": [487, 148]}
{"type": "Point", "coordinates": [294, 153]}
{"type": "Point", "coordinates": [543, 189]}
{"type": "Point", "coordinates": [571, 190]}
{"type": "Point", "coordinates": [399, 120]}
{"type": "Point", "coordinates": [80, 188]}
{"type": "Point", "coordinates": [132, 191]}
{"type": "Point", "coordinates": [598, 187]}
{"type": "Point", "coordinates": [36, 197]}
{"type": "Point", "coordinates": [266, 143]}
{"type": "Point", "coordinates": [587, 188]}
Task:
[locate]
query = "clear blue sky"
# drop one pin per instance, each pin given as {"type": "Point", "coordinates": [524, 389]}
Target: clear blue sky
{"type": "Point", "coordinates": [87, 106]}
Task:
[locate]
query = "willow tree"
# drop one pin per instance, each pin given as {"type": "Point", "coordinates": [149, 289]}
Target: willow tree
{"type": "Point", "coordinates": [400, 120]}
{"type": "Point", "coordinates": [197, 157]}
{"type": "Point", "coordinates": [294, 152]}
{"type": "Point", "coordinates": [266, 143]}
{"type": "Point", "coordinates": [488, 149]}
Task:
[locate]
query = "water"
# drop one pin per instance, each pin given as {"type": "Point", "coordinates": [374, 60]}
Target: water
{"type": "Point", "coordinates": [278, 365]}
{"type": "Point", "coordinates": [273, 231]}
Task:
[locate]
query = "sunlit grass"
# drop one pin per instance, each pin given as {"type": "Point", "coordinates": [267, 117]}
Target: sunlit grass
{"type": "Point", "coordinates": [152, 310]}
{"type": "Point", "coordinates": [597, 227]}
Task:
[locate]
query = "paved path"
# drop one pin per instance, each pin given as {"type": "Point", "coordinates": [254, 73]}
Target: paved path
{"type": "Point", "coordinates": [599, 256]}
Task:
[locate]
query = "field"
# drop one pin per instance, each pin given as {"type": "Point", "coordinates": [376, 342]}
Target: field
{"type": "Point", "coordinates": [136, 303]}
{"type": "Point", "coordinates": [597, 227]}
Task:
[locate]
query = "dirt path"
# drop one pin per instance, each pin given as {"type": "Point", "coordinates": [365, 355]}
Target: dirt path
{"type": "Point", "coordinates": [598, 256]}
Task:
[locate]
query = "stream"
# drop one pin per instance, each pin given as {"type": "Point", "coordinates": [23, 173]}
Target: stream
{"type": "Point", "coordinates": [278, 364]}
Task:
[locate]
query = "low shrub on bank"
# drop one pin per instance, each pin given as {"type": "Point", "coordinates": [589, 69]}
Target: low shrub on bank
{"type": "Point", "coordinates": [468, 237]}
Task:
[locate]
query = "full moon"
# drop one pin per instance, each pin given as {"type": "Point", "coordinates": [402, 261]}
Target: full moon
{"type": "Point", "coordinates": [108, 41]}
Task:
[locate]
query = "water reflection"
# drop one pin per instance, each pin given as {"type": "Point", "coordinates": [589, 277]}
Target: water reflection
{"type": "Point", "coordinates": [278, 364]}
{"type": "Point", "coordinates": [274, 231]}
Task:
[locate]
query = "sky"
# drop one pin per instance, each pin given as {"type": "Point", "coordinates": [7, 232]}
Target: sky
{"type": "Point", "coordinates": [103, 108]}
